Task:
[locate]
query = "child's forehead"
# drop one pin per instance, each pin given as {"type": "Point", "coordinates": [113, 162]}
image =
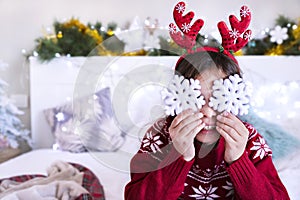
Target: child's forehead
{"type": "Point", "coordinates": [208, 76]}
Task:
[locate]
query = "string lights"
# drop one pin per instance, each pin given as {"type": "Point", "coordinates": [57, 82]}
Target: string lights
{"type": "Point", "coordinates": [276, 101]}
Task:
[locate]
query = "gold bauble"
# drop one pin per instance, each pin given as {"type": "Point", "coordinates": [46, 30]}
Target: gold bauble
{"type": "Point", "coordinates": [59, 35]}
{"type": "Point", "coordinates": [110, 32]}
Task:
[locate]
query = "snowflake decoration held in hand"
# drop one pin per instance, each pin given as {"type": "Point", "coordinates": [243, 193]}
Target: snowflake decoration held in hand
{"type": "Point", "coordinates": [279, 34]}
{"type": "Point", "coordinates": [232, 95]}
{"type": "Point", "coordinates": [181, 95]}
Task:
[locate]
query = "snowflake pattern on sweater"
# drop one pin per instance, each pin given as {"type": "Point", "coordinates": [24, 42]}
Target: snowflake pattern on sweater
{"type": "Point", "coordinates": [208, 177]}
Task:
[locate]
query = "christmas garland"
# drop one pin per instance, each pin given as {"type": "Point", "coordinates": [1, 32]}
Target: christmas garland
{"type": "Point", "coordinates": [283, 39]}
{"type": "Point", "coordinates": [73, 38]}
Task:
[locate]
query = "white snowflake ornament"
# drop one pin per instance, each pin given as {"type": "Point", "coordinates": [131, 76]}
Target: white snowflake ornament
{"type": "Point", "coordinates": [181, 95]}
{"type": "Point", "coordinates": [279, 34]}
{"type": "Point", "coordinates": [232, 95]}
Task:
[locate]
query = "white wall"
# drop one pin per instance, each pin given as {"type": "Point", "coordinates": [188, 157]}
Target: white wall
{"type": "Point", "coordinates": [22, 22]}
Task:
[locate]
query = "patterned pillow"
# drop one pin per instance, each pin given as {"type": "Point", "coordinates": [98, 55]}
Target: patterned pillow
{"type": "Point", "coordinates": [86, 124]}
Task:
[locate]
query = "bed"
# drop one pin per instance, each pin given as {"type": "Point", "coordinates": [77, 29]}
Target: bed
{"type": "Point", "coordinates": [133, 84]}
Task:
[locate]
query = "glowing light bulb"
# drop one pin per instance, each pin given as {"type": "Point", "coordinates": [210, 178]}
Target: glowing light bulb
{"type": "Point", "coordinates": [64, 129]}
{"type": "Point", "coordinates": [294, 26]}
{"type": "Point", "coordinates": [60, 116]}
{"type": "Point", "coordinates": [35, 54]}
{"type": "Point", "coordinates": [48, 29]}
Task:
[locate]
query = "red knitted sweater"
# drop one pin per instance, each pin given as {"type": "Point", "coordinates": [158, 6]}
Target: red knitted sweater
{"type": "Point", "coordinates": [158, 171]}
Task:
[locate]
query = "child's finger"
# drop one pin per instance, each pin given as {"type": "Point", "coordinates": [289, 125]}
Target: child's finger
{"type": "Point", "coordinates": [229, 131]}
{"type": "Point", "coordinates": [226, 118]}
{"type": "Point", "coordinates": [195, 117]}
{"type": "Point", "coordinates": [180, 117]}
{"type": "Point", "coordinates": [191, 128]}
{"type": "Point", "coordinates": [226, 136]}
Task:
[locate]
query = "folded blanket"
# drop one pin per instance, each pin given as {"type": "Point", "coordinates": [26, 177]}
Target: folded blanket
{"type": "Point", "coordinates": [63, 181]}
{"type": "Point", "coordinates": [64, 190]}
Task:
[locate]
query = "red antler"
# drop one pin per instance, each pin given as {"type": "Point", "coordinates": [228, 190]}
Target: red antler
{"type": "Point", "coordinates": [188, 39]}
{"type": "Point", "coordinates": [232, 40]}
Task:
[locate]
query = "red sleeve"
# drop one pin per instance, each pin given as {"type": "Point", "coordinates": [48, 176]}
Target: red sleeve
{"type": "Point", "coordinates": [158, 171]}
{"type": "Point", "coordinates": [254, 175]}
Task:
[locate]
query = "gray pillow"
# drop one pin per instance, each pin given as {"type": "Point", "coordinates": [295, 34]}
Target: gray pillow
{"type": "Point", "coordinates": [86, 124]}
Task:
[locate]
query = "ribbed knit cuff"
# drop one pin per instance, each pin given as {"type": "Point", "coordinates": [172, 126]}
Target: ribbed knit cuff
{"type": "Point", "coordinates": [242, 170]}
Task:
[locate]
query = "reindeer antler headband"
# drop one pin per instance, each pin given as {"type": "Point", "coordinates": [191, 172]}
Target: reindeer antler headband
{"type": "Point", "coordinates": [233, 93]}
{"type": "Point", "coordinates": [232, 40]}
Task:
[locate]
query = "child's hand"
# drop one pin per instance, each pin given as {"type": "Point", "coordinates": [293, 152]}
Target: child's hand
{"type": "Point", "coordinates": [183, 130]}
{"type": "Point", "coordinates": [235, 134]}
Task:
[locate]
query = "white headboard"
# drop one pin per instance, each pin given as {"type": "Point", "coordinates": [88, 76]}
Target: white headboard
{"type": "Point", "coordinates": [62, 79]}
{"type": "Point", "coordinates": [58, 81]}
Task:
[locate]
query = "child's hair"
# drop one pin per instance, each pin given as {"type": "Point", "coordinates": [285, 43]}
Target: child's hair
{"type": "Point", "coordinates": [191, 65]}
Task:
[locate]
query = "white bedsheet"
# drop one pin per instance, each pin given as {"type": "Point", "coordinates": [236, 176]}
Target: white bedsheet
{"type": "Point", "coordinates": [37, 161]}
{"type": "Point", "coordinates": [289, 172]}
{"type": "Point", "coordinates": [113, 180]}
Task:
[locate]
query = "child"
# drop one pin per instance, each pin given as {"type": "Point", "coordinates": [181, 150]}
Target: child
{"type": "Point", "coordinates": [204, 154]}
